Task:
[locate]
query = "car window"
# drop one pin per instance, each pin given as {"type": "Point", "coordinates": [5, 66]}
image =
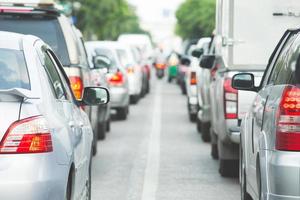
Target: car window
{"type": "Point", "coordinates": [279, 60]}
{"type": "Point", "coordinates": [123, 57]}
{"type": "Point", "coordinates": [108, 53]}
{"type": "Point", "coordinates": [53, 75]}
{"type": "Point", "coordinates": [13, 70]}
{"type": "Point", "coordinates": [48, 29]}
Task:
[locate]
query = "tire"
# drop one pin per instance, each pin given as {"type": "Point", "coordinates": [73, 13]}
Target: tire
{"type": "Point", "coordinates": [205, 134]}
{"type": "Point", "coordinates": [183, 88]}
{"type": "Point", "coordinates": [95, 149]}
{"type": "Point", "coordinates": [89, 182]}
{"type": "Point", "coordinates": [229, 168]}
{"type": "Point", "coordinates": [193, 117]}
{"type": "Point", "coordinates": [169, 79]}
{"type": "Point", "coordinates": [214, 151]}
{"type": "Point", "coordinates": [148, 87]}
{"type": "Point", "coordinates": [134, 99]}
{"type": "Point", "coordinates": [108, 128]}
{"type": "Point", "coordinates": [122, 113]}
{"type": "Point", "coordinates": [102, 127]}
{"type": "Point", "coordinates": [199, 125]}
{"type": "Point", "coordinates": [69, 188]}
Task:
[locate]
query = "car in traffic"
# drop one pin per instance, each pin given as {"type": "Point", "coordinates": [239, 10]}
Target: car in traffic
{"type": "Point", "coordinates": [116, 76]}
{"type": "Point", "coordinates": [55, 29]}
{"type": "Point", "coordinates": [270, 142]}
{"type": "Point", "coordinates": [46, 138]}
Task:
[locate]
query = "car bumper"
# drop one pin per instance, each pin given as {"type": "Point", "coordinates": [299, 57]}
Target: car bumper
{"type": "Point", "coordinates": [284, 175]}
{"type": "Point", "coordinates": [193, 105]}
{"type": "Point", "coordinates": [32, 177]}
{"type": "Point", "coordinates": [134, 84]}
{"type": "Point", "coordinates": [233, 130]}
{"type": "Point", "coordinates": [204, 114]}
{"type": "Point", "coordinates": [119, 97]}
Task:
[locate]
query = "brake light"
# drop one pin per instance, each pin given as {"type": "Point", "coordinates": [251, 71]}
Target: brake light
{"type": "Point", "coordinates": [193, 80]}
{"type": "Point", "coordinates": [30, 135]}
{"type": "Point", "coordinates": [15, 10]}
{"type": "Point", "coordinates": [77, 86]}
{"type": "Point", "coordinates": [288, 120]}
{"type": "Point", "coordinates": [230, 100]}
{"type": "Point", "coordinates": [116, 79]}
{"type": "Point", "coordinates": [160, 66]}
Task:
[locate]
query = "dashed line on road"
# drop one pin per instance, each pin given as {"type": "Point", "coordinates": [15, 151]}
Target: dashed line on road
{"type": "Point", "coordinates": [151, 178]}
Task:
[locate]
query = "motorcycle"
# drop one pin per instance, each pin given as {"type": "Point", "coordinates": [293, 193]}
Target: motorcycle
{"type": "Point", "coordinates": [160, 70]}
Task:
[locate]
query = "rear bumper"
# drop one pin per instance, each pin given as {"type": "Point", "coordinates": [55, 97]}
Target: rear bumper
{"type": "Point", "coordinates": [204, 113]}
{"type": "Point", "coordinates": [233, 130]}
{"type": "Point", "coordinates": [119, 97]}
{"type": "Point", "coordinates": [283, 175]}
{"type": "Point", "coordinates": [193, 106]}
{"type": "Point", "coordinates": [32, 177]}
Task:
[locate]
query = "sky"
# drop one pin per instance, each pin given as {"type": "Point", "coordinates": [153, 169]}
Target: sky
{"type": "Point", "coordinates": [158, 17]}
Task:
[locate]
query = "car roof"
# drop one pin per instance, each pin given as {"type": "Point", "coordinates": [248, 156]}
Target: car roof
{"type": "Point", "coordinates": [9, 40]}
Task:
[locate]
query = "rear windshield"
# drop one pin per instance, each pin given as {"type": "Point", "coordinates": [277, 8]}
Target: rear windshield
{"type": "Point", "coordinates": [47, 29]}
{"type": "Point", "coordinates": [108, 53]}
{"type": "Point", "coordinates": [13, 70]}
{"type": "Point", "coordinates": [125, 59]}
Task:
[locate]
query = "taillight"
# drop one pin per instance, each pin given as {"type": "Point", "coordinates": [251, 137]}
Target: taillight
{"type": "Point", "coordinates": [77, 86]}
{"type": "Point", "coordinates": [288, 120]}
{"type": "Point", "coordinates": [160, 66]}
{"type": "Point", "coordinates": [30, 135]}
{"type": "Point", "coordinates": [116, 78]}
{"type": "Point", "coordinates": [230, 100]}
{"type": "Point", "coordinates": [193, 80]}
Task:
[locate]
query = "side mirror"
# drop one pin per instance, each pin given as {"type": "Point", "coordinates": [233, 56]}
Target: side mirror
{"type": "Point", "coordinates": [101, 62]}
{"type": "Point", "coordinates": [207, 61]}
{"type": "Point", "coordinates": [185, 61]}
{"type": "Point", "coordinates": [197, 53]}
{"type": "Point", "coordinates": [94, 96]}
{"type": "Point", "coordinates": [243, 81]}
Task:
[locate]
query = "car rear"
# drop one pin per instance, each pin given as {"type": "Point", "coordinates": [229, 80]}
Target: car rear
{"type": "Point", "coordinates": [28, 169]}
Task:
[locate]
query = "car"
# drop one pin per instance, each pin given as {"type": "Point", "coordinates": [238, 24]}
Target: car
{"type": "Point", "coordinates": [134, 72]}
{"type": "Point", "coordinates": [55, 29]}
{"type": "Point", "coordinates": [100, 116]}
{"type": "Point", "coordinates": [116, 76]}
{"type": "Point", "coordinates": [270, 145]}
{"type": "Point", "coordinates": [46, 138]}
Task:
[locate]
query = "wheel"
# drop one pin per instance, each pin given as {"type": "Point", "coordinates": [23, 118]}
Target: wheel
{"type": "Point", "coordinates": [122, 113]}
{"type": "Point", "coordinates": [205, 134]}
{"type": "Point", "coordinates": [229, 168]}
{"type": "Point", "coordinates": [95, 149]}
{"type": "Point", "coordinates": [89, 183]}
{"type": "Point", "coordinates": [169, 79]}
{"type": "Point", "coordinates": [243, 179]}
{"type": "Point", "coordinates": [134, 99]}
{"type": "Point", "coordinates": [102, 127]}
{"type": "Point", "coordinates": [214, 151]}
{"type": "Point", "coordinates": [183, 88]}
{"type": "Point", "coordinates": [148, 87]}
{"type": "Point", "coordinates": [193, 117]}
{"type": "Point", "coordinates": [199, 125]}
{"type": "Point", "coordinates": [69, 188]}
{"type": "Point", "coordinates": [108, 125]}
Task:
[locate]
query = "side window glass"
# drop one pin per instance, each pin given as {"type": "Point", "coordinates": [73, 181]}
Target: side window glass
{"type": "Point", "coordinates": [53, 76]}
{"type": "Point", "coordinates": [68, 91]}
{"type": "Point", "coordinates": [280, 62]}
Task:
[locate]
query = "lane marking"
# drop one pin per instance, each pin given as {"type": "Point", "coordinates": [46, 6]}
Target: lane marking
{"type": "Point", "coordinates": [151, 178]}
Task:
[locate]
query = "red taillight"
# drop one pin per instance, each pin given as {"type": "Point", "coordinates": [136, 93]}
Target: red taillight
{"type": "Point", "coordinates": [15, 10]}
{"type": "Point", "coordinates": [30, 135]}
{"type": "Point", "coordinates": [230, 100]}
{"type": "Point", "coordinates": [160, 66]}
{"type": "Point", "coordinates": [288, 120]}
{"type": "Point", "coordinates": [116, 78]}
{"type": "Point", "coordinates": [193, 80]}
{"type": "Point", "coordinates": [77, 86]}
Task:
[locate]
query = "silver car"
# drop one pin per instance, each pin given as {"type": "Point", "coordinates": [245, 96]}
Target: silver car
{"type": "Point", "coordinates": [270, 131]}
{"type": "Point", "coordinates": [116, 75]}
{"type": "Point", "coordinates": [46, 139]}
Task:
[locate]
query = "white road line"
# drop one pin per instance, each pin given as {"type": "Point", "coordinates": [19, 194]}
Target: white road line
{"type": "Point", "coordinates": [151, 178]}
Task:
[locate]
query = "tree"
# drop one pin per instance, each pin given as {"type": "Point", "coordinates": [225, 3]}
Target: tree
{"type": "Point", "coordinates": [106, 18]}
{"type": "Point", "coordinates": [195, 19]}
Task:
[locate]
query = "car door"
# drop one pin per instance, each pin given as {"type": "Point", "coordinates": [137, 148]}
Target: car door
{"type": "Point", "coordinates": [70, 114]}
{"type": "Point", "coordinates": [261, 108]}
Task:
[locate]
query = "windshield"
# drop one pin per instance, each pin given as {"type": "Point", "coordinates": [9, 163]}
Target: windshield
{"type": "Point", "coordinates": [13, 70]}
{"type": "Point", "coordinates": [46, 29]}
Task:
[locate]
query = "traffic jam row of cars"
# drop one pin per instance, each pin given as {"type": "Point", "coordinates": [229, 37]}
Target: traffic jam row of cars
{"type": "Point", "coordinates": [245, 96]}
{"type": "Point", "coordinates": [55, 91]}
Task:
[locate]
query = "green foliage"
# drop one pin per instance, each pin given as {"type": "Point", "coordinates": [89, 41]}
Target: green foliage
{"type": "Point", "coordinates": [195, 18]}
{"type": "Point", "coordinates": [106, 18]}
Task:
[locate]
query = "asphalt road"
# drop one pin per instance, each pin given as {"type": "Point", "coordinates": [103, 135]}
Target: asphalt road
{"type": "Point", "coordinates": [157, 154]}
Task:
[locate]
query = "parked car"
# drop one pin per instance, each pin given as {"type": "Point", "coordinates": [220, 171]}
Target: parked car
{"type": "Point", "coordinates": [270, 145]}
{"type": "Point", "coordinates": [232, 57]}
{"type": "Point", "coordinates": [56, 30]}
{"type": "Point", "coordinates": [43, 127]}
{"type": "Point", "coordinates": [117, 77]}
